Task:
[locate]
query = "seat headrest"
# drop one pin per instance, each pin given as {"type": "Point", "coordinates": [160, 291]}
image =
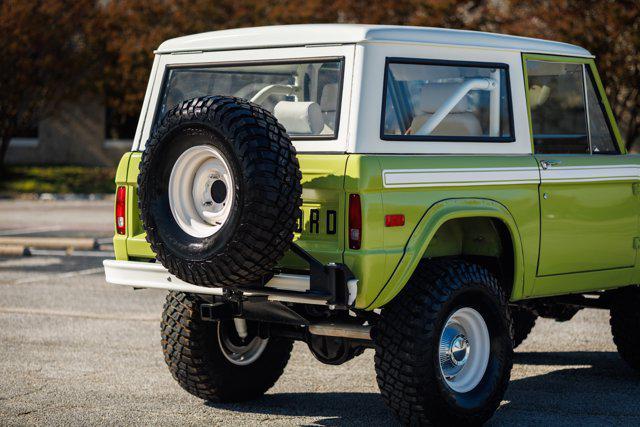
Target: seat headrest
{"type": "Point", "coordinates": [329, 98]}
{"type": "Point", "coordinates": [299, 117]}
{"type": "Point", "coordinates": [538, 95]}
{"type": "Point", "coordinates": [433, 95]}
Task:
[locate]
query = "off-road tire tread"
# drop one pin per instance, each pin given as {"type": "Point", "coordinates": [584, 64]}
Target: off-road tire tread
{"type": "Point", "coordinates": [272, 190]}
{"type": "Point", "coordinates": [407, 323]}
{"type": "Point", "coordinates": [625, 325]}
{"type": "Point", "coordinates": [189, 344]}
{"type": "Point", "coordinates": [523, 322]}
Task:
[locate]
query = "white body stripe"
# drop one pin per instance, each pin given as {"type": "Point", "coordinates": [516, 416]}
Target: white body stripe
{"type": "Point", "coordinates": [590, 173]}
{"type": "Point", "coordinates": [452, 177]}
{"type": "Point", "coordinates": [459, 177]}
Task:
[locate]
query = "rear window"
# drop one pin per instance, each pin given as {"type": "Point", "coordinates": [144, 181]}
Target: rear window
{"type": "Point", "coordinates": [304, 96]}
{"type": "Point", "coordinates": [446, 101]}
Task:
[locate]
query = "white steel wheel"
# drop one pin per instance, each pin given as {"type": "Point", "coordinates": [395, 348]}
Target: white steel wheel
{"type": "Point", "coordinates": [464, 350]}
{"type": "Point", "coordinates": [201, 191]}
{"type": "Point", "coordinates": [236, 350]}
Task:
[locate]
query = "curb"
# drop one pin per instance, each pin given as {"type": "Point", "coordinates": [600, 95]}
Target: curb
{"type": "Point", "coordinates": [65, 243]}
{"type": "Point", "coordinates": [14, 250]}
{"type": "Point", "coordinates": [57, 197]}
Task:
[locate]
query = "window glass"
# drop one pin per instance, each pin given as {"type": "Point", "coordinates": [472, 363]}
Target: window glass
{"type": "Point", "coordinates": [447, 102]}
{"type": "Point", "coordinates": [601, 140]}
{"type": "Point", "coordinates": [303, 96]}
{"type": "Point", "coordinates": [558, 113]}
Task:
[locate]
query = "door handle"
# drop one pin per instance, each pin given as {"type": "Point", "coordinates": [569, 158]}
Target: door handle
{"type": "Point", "coordinates": [545, 164]}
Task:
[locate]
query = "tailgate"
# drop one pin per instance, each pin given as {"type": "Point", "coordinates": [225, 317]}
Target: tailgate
{"type": "Point", "coordinates": [320, 230]}
{"type": "Point", "coordinates": [322, 225]}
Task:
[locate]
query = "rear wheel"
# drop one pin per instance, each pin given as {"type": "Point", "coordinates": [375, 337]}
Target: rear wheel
{"type": "Point", "coordinates": [212, 361]}
{"type": "Point", "coordinates": [443, 346]}
{"type": "Point", "coordinates": [625, 324]}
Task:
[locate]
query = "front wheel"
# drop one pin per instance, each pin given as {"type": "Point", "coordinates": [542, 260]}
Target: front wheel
{"type": "Point", "coordinates": [212, 360]}
{"type": "Point", "coordinates": [443, 346]}
{"type": "Point", "coordinates": [523, 322]}
{"type": "Point", "coordinates": [625, 324]}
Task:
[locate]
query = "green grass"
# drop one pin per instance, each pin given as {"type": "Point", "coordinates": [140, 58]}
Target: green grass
{"type": "Point", "coordinates": [57, 179]}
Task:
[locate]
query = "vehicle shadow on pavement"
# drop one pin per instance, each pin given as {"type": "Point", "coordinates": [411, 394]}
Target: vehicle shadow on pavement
{"type": "Point", "coordinates": [591, 386]}
{"type": "Point", "coordinates": [584, 386]}
{"type": "Point", "coordinates": [331, 409]}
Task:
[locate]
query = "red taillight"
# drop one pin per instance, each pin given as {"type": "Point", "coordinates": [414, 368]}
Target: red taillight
{"type": "Point", "coordinates": [394, 220]}
{"type": "Point", "coordinates": [355, 222]}
{"type": "Point", "coordinates": [121, 208]}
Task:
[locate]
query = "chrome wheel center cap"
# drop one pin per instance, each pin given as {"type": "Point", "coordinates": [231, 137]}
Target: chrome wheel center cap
{"type": "Point", "coordinates": [459, 350]}
{"type": "Point", "coordinates": [464, 349]}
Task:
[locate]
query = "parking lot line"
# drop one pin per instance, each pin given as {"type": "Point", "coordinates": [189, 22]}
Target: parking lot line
{"type": "Point", "coordinates": [77, 314]}
{"type": "Point", "coordinates": [66, 275]}
{"type": "Point", "coordinates": [31, 230]}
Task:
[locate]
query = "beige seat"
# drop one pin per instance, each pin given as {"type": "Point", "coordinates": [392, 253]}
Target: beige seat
{"type": "Point", "coordinates": [459, 121]}
{"type": "Point", "coordinates": [328, 105]}
{"type": "Point", "coordinates": [301, 118]}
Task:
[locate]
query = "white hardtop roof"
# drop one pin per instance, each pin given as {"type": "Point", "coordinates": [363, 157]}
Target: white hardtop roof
{"type": "Point", "coordinates": [323, 34]}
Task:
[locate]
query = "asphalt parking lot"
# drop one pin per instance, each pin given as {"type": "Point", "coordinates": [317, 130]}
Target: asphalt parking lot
{"type": "Point", "coordinates": [77, 351]}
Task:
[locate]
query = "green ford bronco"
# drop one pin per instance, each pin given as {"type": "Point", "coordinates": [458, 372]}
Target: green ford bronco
{"type": "Point", "coordinates": [427, 193]}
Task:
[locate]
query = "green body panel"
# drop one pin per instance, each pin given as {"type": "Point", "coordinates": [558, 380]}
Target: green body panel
{"type": "Point", "coordinates": [389, 255]}
{"type": "Point", "coordinates": [585, 282]}
{"type": "Point", "coordinates": [323, 209]}
{"type": "Point", "coordinates": [587, 226]}
{"type": "Point", "coordinates": [588, 229]}
{"type": "Point", "coordinates": [435, 217]}
{"type": "Point", "coordinates": [323, 191]}
{"type": "Point", "coordinates": [427, 208]}
{"type": "Point", "coordinates": [370, 262]}
{"type": "Point", "coordinates": [137, 246]}
{"type": "Point", "coordinates": [560, 237]}
{"type": "Point", "coordinates": [120, 241]}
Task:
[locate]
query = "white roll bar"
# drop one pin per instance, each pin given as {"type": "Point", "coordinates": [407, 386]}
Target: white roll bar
{"type": "Point", "coordinates": [275, 89]}
{"type": "Point", "coordinates": [450, 103]}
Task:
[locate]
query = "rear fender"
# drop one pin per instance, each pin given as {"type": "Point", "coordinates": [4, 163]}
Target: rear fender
{"type": "Point", "coordinates": [438, 214]}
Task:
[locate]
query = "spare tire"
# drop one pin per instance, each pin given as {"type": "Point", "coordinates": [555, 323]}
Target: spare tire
{"type": "Point", "coordinates": [219, 191]}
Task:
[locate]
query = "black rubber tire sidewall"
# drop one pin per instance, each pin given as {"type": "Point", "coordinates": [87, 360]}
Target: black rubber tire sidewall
{"type": "Point", "coordinates": [523, 322]}
{"type": "Point", "coordinates": [168, 231]}
{"type": "Point", "coordinates": [408, 335]}
{"type": "Point", "coordinates": [194, 358]}
{"type": "Point", "coordinates": [477, 297]}
{"type": "Point", "coordinates": [267, 185]}
{"type": "Point", "coordinates": [625, 324]}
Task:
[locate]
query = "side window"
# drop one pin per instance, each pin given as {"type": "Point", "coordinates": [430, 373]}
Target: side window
{"type": "Point", "coordinates": [602, 141]}
{"type": "Point", "coordinates": [557, 104]}
{"type": "Point", "coordinates": [446, 101]}
{"type": "Point", "coordinates": [567, 115]}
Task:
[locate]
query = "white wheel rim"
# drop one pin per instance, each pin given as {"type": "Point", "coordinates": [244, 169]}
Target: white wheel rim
{"type": "Point", "coordinates": [201, 191]}
{"type": "Point", "coordinates": [464, 350]}
{"type": "Point", "coordinates": [241, 355]}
